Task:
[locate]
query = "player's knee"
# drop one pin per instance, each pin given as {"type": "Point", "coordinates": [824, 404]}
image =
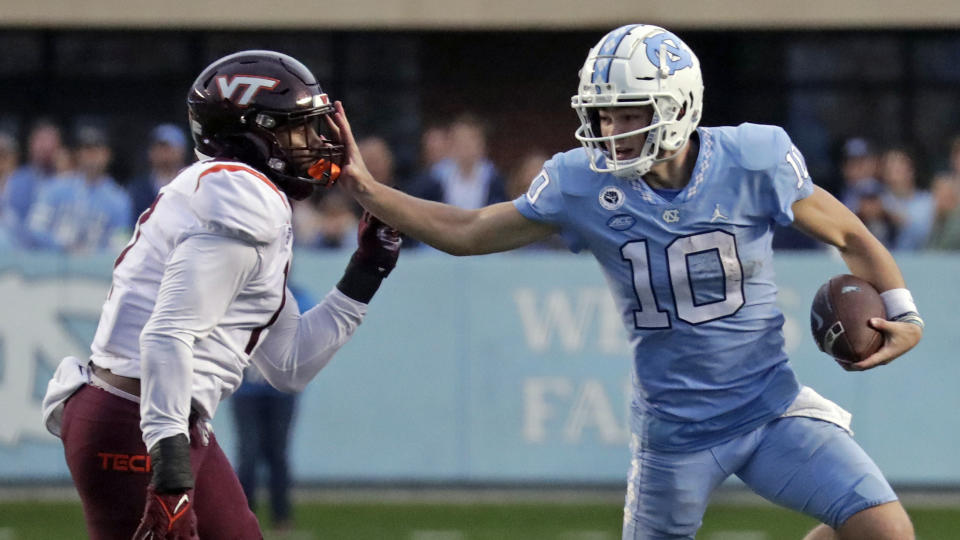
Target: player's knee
{"type": "Point", "coordinates": [884, 522]}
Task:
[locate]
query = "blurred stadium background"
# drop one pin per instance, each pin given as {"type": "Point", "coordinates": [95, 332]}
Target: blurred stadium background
{"type": "Point", "coordinates": [487, 397]}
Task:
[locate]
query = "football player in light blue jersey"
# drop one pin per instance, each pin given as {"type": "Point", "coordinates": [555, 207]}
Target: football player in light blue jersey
{"type": "Point", "coordinates": [681, 220]}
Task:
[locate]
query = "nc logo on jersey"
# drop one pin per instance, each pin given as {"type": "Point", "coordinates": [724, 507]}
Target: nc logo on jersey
{"type": "Point", "coordinates": [671, 216]}
{"type": "Point", "coordinates": [612, 197]}
{"type": "Point", "coordinates": [621, 222]}
{"type": "Point", "coordinates": [677, 56]}
{"type": "Point", "coordinates": [228, 87]}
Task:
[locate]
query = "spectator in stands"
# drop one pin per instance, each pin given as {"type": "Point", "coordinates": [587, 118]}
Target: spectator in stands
{"type": "Point", "coordinates": [946, 196]}
{"type": "Point", "coordinates": [434, 148]}
{"type": "Point", "coordinates": [467, 178]}
{"type": "Point", "coordinates": [327, 220]}
{"type": "Point", "coordinates": [859, 170]}
{"type": "Point", "coordinates": [263, 417]}
{"type": "Point", "coordinates": [44, 153]}
{"type": "Point", "coordinates": [336, 228]}
{"type": "Point", "coordinates": [524, 172]}
{"type": "Point", "coordinates": [911, 209]}
{"type": "Point", "coordinates": [86, 211]}
{"type": "Point", "coordinates": [435, 145]}
{"type": "Point", "coordinates": [166, 155]}
{"type": "Point", "coordinates": [379, 159]}
{"type": "Point", "coordinates": [9, 157]}
{"type": "Point", "coordinates": [875, 215]}
{"type": "Point", "coordinates": [9, 161]}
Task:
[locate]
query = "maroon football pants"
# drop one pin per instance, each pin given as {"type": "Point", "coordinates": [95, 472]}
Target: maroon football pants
{"type": "Point", "coordinates": [110, 467]}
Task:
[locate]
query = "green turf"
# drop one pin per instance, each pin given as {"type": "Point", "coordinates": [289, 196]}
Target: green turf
{"type": "Point", "coordinates": [482, 521]}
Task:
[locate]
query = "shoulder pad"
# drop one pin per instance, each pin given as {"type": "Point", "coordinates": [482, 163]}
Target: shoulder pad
{"type": "Point", "coordinates": [571, 171]}
{"type": "Point", "coordinates": [233, 199]}
{"type": "Point", "coordinates": [761, 147]}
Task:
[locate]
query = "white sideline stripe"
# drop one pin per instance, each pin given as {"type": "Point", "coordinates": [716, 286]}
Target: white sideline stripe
{"type": "Point", "coordinates": [738, 535]}
{"type": "Point", "coordinates": [437, 535]}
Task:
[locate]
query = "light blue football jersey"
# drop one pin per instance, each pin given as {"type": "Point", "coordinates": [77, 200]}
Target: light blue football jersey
{"type": "Point", "coordinates": [691, 277]}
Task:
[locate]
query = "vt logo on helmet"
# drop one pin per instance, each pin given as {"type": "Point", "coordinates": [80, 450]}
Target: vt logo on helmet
{"type": "Point", "coordinates": [647, 68]}
{"type": "Point", "coordinates": [228, 85]}
{"type": "Point", "coordinates": [267, 110]}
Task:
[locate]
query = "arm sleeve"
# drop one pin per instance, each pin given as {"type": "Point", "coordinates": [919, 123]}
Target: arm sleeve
{"type": "Point", "coordinates": [299, 346]}
{"type": "Point", "coordinates": [785, 178]}
{"type": "Point", "coordinates": [201, 279]}
{"type": "Point", "coordinates": [543, 201]}
{"type": "Point", "coordinates": [791, 182]}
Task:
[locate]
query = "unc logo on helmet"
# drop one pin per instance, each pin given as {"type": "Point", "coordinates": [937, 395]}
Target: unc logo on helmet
{"type": "Point", "coordinates": [668, 53]}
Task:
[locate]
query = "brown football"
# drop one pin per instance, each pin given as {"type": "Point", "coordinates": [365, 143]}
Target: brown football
{"type": "Point", "coordinates": [839, 318]}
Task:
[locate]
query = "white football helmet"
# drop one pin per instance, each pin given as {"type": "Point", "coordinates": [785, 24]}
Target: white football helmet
{"type": "Point", "coordinates": [634, 66]}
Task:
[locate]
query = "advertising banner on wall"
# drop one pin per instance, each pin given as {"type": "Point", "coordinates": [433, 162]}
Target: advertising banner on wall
{"type": "Point", "coordinates": [506, 368]}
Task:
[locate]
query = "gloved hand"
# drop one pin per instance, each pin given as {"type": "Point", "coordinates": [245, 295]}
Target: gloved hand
{"type": "Point", "coordinates": [168, 516]}
{"type": "Point", "coordinates": [378, 244]}
{"type": "Point", "coordinates": [378, 247]}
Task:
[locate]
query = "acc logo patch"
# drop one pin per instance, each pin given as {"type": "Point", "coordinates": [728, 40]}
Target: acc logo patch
{"type": "Point", "coordinates": [611, 197]}
{"type": "Point", "coordinates": [676, 57]}
{"type": "Point", "coordinates": [621, 222]}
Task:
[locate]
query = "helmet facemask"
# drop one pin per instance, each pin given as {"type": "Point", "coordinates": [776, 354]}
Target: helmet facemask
{"type": "Point", "coordinates": [300, 150]}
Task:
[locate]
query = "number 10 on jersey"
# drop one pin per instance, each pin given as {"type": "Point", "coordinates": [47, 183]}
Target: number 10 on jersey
{"type": "Point", "coordinates": [720, 244]}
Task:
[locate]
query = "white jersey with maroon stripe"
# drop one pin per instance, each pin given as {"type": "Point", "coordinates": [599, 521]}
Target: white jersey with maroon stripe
{"type": "Point", "coordinates": [210, 197]}
{"type": "Point", "coordinates": [200, 291]}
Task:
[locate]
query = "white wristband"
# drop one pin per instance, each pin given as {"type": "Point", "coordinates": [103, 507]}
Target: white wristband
{"type": "Point", "coordinates": [897, 302]}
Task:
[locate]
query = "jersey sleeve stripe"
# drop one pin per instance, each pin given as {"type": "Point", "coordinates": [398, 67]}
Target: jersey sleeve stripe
{"type": "Point", "coordinates": [235, 167]}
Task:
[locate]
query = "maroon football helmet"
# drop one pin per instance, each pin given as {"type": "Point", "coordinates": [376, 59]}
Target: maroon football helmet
{"type": "Point", "coordinates": [266, 109]}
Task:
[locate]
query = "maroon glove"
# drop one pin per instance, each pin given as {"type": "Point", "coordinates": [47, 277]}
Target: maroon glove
{"type": "Point", "coordinates": [378, 244]}
{"type": "Point", "coordinates": [378, 247]}
{"type": "Point", "coordinates": [168, 516]}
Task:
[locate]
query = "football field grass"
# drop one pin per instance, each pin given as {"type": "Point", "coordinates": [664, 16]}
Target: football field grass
{"type": "Point", "coordinates": [25, 520]}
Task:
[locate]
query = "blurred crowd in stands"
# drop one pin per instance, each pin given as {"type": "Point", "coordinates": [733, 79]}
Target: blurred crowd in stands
{"type": "Point", "coordinates": [57, 193]}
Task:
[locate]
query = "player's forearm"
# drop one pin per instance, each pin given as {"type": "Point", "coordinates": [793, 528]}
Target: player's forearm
{"type": "Point", "coordinates": [442, 226]}
{"type": "Point", "coordinates": [166, 383]}
{"type": "Point", "coordinates": [867, 258]}
{"type": "Point", "coordinates": [299, 346]}
{"type": "Point", "coordinates": [828, 220]}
